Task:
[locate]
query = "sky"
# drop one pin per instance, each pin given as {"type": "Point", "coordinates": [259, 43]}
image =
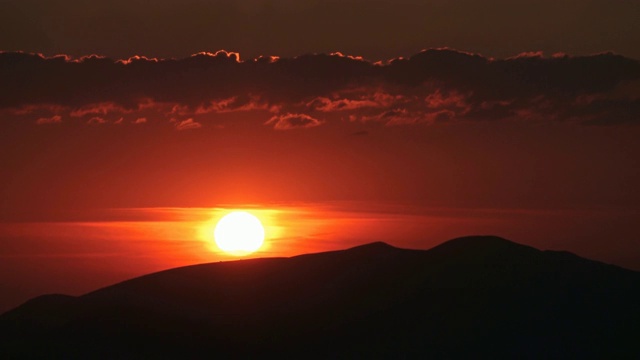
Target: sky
{"type": "Point", "coordinates": [375, 29]}
{"type": "Point", "coordinates": [128, 130]}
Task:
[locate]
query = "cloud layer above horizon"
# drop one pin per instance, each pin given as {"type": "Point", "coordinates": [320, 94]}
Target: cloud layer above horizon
{"type": "Point", "coordinates": [435, 85]}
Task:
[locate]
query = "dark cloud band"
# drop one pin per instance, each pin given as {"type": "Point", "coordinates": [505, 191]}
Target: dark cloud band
{"type": "Point", "coordinates": [432, 86]}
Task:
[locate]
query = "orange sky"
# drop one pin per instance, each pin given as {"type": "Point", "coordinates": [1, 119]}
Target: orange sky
{"type": "Point", "coordinates": [397, 152]}
{"type": "Point", "coordinates": [125, 129]}
{"type": "Point", "coordinates": [76, 256]}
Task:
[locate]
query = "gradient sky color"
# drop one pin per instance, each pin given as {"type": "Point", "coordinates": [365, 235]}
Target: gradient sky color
{"type": "Point", "coordinates": [125, 130]}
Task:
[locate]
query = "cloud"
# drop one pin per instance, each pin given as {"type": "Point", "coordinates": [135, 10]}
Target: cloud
{"type": "Point", "coordinates": [330, 105]}
{"type": "Point", "coordinates": [97, 109]}
{"type": "Point", "coordinates": [405, 117]}
{"type": "Point", "coordinates": [140, 120]}
{"type": "Point", "coordinates": [49, 120]}
{"type": "Point", "coordinates": [232, 104]}
{"type": "Point", "coordinates": [187, 124]}
{"type": "Point", "coordinates": [96, 120]}
{"type": "Point", "coordinates": [293, 121]}
{"type": "Point", "coordinates": [433, 85]}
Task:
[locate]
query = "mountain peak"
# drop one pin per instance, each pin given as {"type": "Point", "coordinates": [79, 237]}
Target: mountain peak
{"type": "Point", "coordinates": [374, 245]}
{"type": "Point", "coordinates": [481, 240]}
{"type": "Point", "coordinates": [482, 245]}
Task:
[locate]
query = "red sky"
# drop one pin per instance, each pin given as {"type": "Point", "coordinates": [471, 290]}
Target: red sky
{"type": "Point", "coordinates": [112, 164]}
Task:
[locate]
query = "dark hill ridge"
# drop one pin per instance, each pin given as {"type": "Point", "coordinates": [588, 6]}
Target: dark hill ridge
{"type": "Point", "coordinates": [470, 297]}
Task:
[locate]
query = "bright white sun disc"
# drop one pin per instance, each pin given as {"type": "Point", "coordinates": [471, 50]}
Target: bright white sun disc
{"type": "Point", "coordinates": [239, 233]}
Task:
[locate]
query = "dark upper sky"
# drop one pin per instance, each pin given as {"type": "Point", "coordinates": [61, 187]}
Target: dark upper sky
{"type": "Point", "coordinates": [375, 29]}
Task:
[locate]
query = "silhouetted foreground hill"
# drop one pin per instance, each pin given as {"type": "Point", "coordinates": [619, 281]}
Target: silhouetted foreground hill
{"type": "Point", "coordinates": [474, 297]}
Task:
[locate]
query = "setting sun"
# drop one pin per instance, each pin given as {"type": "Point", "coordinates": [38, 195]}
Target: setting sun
{"type": "Point", "coordinates": [239, 233]}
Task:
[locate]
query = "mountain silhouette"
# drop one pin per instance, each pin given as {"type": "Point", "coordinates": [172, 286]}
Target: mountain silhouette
{"type": "Point", "coordinates": [471, 297]}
